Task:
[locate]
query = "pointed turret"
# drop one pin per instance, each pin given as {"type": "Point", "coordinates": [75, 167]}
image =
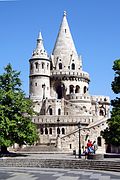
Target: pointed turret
{"type": "Point", "coordinates": [64, 50]}
{"type": "Point", "coordinates": [40, 51]}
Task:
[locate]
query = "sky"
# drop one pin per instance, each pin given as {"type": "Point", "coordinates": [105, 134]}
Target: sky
{"type": "Point", "coordinates": [94, 25]}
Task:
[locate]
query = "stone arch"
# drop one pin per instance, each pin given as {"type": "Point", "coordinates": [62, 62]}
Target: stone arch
{"type": "Point", "coordinates": [73, 66]}
{"type": "Point", "coordinates": [59, 87]}
{"type": "Point", "coordinates": [60, 65]}
{"type": "Point", "coordinates": [99, 141]}
{"type": "Point", "coordinates": [46, 131]}
{"type": "Point", "coordinates": [63, 130]}
{"type": "Point", "coordinates": [71, 89]}
{"type": "Point", "coordinates": [50, 130]}
{"type": "Point", "coordinates": [77, 89]}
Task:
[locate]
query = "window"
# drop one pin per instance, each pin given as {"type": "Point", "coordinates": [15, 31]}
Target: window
{"type": "Point", "coordinates": [41, 131]}
{"type": "Point", "coordinates": [43, 65]}
{"type": "Point", "coordinates": [59, 111]}
{"type": "Point", "coordinates": [85, 89]}
{"type": "Point", "coordinates": [50, 111]}
{"type": "Point", "coordinates": [101, 113]}
{"type": "Point", "coordinates": [77, 90]}
{"type": "Point", "coordinates": [36, 65]}
{"type": "Point", "coordinates": [35, 84]}
{"type": "Point", "coordinates": [99, 141]}
{"type": "Point", "coordinates": [70, 146]}
{"type": "Point", "coordinates": [58, 130]}
{"type": "Point", "coordinates": [46, 131]}
{"type": "Point", "coordinates": [73, 66]}
{"type": "Point", "coordinates": [60, 65]}
{"type": "Point", "coordinates": [50, 131]}
{"type": "Point", "coordinates": [63, 131]}
{"type": "Point", "coordinates": [71, 89]}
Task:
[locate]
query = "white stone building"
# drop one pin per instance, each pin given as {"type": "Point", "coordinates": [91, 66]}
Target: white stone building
{"type": "Point", "coordinates": [59, 89]}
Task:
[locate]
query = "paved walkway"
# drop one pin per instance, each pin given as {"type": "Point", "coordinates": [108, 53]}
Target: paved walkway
{"type": "Point", "coordinates": [55, 174]}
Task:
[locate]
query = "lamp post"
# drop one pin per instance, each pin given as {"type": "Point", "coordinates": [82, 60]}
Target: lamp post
{"type": "Point", "coordinates": [79, 126]}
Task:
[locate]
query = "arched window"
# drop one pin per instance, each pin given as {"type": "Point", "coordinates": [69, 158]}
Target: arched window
{"type": "Point", "coordinates": [63, 131]}
{"type": "Point", "coordinates": [47, 65]}
{"type": "Point", "coordinates": [85, 89]}
{"type": "Point", "coordinates": [41, 131]}
{"type": "Point", "coordinates": [73, 66]}
{"type": "Point", "coordinates": [46, 131]}
{"type": "Point", "coordinates": [101, 113]}
{"type": "Point", "coordinates": [58, 130]}
{"type": "Point", "coordinates": [36, 65]}
{"type": "Point", "coordinates": [59, 111]}
{"type": "Point", "coordinates": [71, 89]}
{"type": "Point", "coordinates": [77, 90]}
{"type": "Point", "coordinates": [43, 65]}
{"type": "Point", "coordinates": [60, 65]}
{"type": "Point", "coordinates": [50, 131]}
{"type": "Point", "coordinates": [50, 111]}
{"type": "Point", "coordinates": [99, 141]}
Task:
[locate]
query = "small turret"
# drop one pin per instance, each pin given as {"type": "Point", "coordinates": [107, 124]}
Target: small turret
{"type": "Point", "coordinates": [39, 72]}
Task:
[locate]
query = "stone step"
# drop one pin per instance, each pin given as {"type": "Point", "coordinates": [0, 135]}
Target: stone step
{"type": "Point", "coordinates": [40, 148]}
{"type": "Point", "coordinates": [62, 163]}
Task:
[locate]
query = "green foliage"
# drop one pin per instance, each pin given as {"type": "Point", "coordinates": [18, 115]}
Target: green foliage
{"type": "Point", "coordinates": [15, 111]}
{"type": "Point", "coordinates": [112, 133]}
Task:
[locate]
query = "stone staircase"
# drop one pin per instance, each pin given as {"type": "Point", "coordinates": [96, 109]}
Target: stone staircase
{"type": "Point", "coordinates": [39, 148]}
{"type": "Point", "coordinates": [62, 163]}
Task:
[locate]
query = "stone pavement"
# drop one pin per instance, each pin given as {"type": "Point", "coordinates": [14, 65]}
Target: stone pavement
{"type": "Point", "coordinates": [55, 174]}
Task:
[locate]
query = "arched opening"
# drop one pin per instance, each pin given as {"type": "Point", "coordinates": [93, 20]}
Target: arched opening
{"type": "Point", "coordinates": [85, 89]}
{"type": "Point", "coordinates": [50, 111]}
{"type": "Point", "coordinates": [77, 90]}
{"type": "Point", "coordinates": [50, 131]}
{"type": "Point", "coordinates": [46, 131]}
{"type": "Point", "coordinates": [59, 111]}
{"type": "Point", "coordinates": [41, 131]}
{"type": "Point", "coordinates": [58, 130]}
{"type": "Point", "coordinates": [101, 113]}
{"type": "Point", "coordinates": [71, 89]}
{"type": "Point", "coordinates": [60, 90]}
{"type": "Point", "coordinates": [63, 131]}
{"type": "Point", "coordinates": [73, 66]}
{"type": "Point", "coordinates": [36, 65]}
{"type": "Point", "coordinates": [43, 65]}
{"type": "Point", "coordinates": [99, 143]}
{"type": "Point", "coordinates": [60, 65]}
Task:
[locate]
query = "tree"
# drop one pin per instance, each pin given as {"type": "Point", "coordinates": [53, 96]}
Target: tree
{"type": "Point", "coordinates": [112, 133]}
{"type": "Point", "coordinates": [16, 112]}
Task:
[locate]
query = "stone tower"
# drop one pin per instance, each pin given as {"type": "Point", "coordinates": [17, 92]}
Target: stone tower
{"type": "Point", "coordinates": [39, 72]}
{"type": "Point", "coordinates": [59, 89]}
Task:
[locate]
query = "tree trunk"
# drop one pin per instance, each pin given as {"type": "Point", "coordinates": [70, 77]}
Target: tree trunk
{"type": "Point", "coordinates": [4, 149]}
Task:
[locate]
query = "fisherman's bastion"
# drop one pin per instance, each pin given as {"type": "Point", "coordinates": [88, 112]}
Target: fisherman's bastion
{"type": "Point", "coordinates": [67, 115]}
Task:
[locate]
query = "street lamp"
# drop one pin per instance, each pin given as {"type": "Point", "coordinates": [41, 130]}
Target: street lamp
{"type": "Point", "coordinates": [79, 126]}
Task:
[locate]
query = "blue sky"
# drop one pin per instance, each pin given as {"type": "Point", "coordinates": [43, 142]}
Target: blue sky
{"type": "Point", "coordinates": [94, 24]}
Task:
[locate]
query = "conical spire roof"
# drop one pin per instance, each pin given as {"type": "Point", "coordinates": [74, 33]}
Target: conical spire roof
{"type": "Point", "coordinates": [40, 51]}
{"type": "Point", "coordinates": [64, 48]}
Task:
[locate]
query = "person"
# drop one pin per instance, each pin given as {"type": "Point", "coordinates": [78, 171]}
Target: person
{"type": "Point", "coordinates": [95, 147]}
{"type": "Point", "coordinates": [86, 152]}
{"type": "Point", "coordinates": [89, 147]}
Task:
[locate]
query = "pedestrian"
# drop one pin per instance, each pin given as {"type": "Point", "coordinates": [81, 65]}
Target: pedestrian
{"type": "Point", "coordinates": [95, 147]}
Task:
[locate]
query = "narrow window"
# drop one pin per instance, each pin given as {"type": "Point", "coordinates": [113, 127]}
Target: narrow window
{"type": "Point", "coordinates": [85, 89]}
{"type": "Point", "coordinates": [35, 84]}
{"type": "Point", "coordinates": [50, 131]}
{"type": "Point", "coordinates": [99, 141]}
{"type": "Point", "coordinates": [70, 146]}
{"type": "Point", "coordinates": [43, 65]}
{"type": "Point", "coordinates": [73, 66]}
{"type": "Point", "coordinates": [46, 131]}
{"type": "Point", "coordinates": [36, 65]}
{"type": "Point", "coordinates": [58, 130]}
{"type": "Point", "coordinates": [50, 111]}
{"type": "Point", "coordinates": [59, 111]}
{"type": "Point", "coordinates": [41, 130]}
{"type": "Point", "coordinates": [60, 65]}
{"type": "Point", "coordinates": [63, 131]}
{"type": "Point", "coordinates": [47, 65]}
